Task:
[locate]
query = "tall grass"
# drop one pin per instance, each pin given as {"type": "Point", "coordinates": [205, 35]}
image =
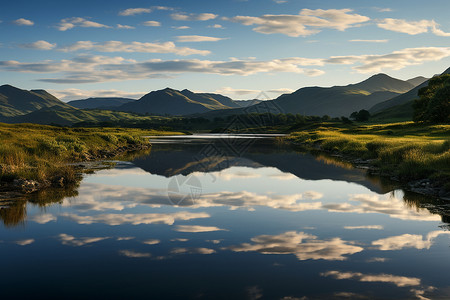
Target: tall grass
{"type": "Point", "coordinates": [403, 149]}
{"type": "Point", "coordinates": [44, 152]}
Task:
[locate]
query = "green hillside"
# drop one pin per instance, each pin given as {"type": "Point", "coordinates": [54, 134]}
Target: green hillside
{"type": "Point", "coordinates": [15, 102]}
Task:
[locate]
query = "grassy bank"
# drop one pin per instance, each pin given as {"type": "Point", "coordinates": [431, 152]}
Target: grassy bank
{"type": "Point", "coordinates": [43, 153]}
{"type": "Point", "coordinates": [406, 150]}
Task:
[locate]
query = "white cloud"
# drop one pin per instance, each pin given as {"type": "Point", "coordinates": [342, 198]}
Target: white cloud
{"type": "Point", "coordinates": [383, 9]}
{"type": "Point", "coordinates": [400, 281]}
{"type": "Point", "coordinates": [217, 26]}
{"type": "Point", "coordinates": [369, 41]}
{"type": "Point", "coordinates": [303, 245]}
{"type": "Point", "coordinates": [40, 45]}
{"type": "Point", "coordinates": [134, 254]}
{"type": "Point", "coordinates": [23, 22]}
{"type": "Point", "coordinates": [120, 26]}
{"type": "Point", "coordinates": [306, 23]}
{"type": "Point", "coordinates": [240, 92]}
{"type": "Point", "coordinates": [193, 17]}
{"type": "Point", "coordinates": [411, 27]}
{"type": "Point", "coordinates": [181, 27]}
{"type": "Point", "coordinates": [151, 23]}
{"type": "Point", "coordinates": [280, 91]}
{"type": "Point", "coordinates": [136, 219]}
{"type": "Point", "coordinates": [134, 11]}
{"type": "Point", "coordinates": [117, 46]}
{"type": "Point", "coordinates": [196, 228]}
{"type": "Point", "coordinates": [83, 69]}
{"type": "Point", "coordinates": [24, 242]}
{"type": "Point", "coordinates": [70, 23]}
{"type": "Point", "coordinates": [393, 61]}
{"type": "Point", "coordinates": [198, 38]}
{"type": "Point", "coordinates": [76, 94]}
{"type": "Point", "coordinates": [280, 1]}
{"type": "Point", "coordinates": [43, 218]}
{"type": "Point", "coordinates": [70, 240]}
{"type": "Point", "coordinates": [86, 68]}
{"type": "Point", "coordinates": [409, 241]}
{"type": "Point", "coordinates": [377, 227]}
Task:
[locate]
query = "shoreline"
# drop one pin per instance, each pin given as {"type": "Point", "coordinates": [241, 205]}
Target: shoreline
{"type": "Point", "coordinates": [423, 186]}
{"type": "Point", "coordinates": [23, 187]}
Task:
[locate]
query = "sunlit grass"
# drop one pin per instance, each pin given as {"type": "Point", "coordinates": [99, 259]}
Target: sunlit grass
{"type": "Point", "coordinates": [43, 152]}
{"type": "Point", "coordinates": [409, 150]}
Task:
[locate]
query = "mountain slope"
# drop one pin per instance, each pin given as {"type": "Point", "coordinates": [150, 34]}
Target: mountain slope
{"type": "Point", "coordinates": [342, 100]}
{"type": "Point", "coordinates": [400, 105]}
{"type": "Point", "coordinates": [14, 101]}
{"type": "Point", "coordinates": [173, 102]}
{"type": "Point", "coordinates": [100, 102]}
{"type": "Point", "coordinates": [216, 100]}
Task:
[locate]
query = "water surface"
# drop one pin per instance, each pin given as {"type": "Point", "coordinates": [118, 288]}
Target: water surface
{"type": "Point", "coordinates": [228, 217]}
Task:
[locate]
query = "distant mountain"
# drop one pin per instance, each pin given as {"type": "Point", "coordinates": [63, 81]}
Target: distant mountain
{"type": "Point", "coordinates": [173, 102]}
{"type": "Point", "coordinates": [246, 103]}
{"type": "Point", "coordinates": [15, 102]}
{"type": "Point", "coordinates": [100, 102]}
{"type": "Point", "coordinates": [341, 100]}
{"type": "Point", "coordinates": [401, 105]}
{"type": "Point", "coordinates": [417, 80]}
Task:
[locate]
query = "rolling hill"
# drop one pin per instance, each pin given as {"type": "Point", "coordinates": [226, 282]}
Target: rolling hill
{"type": "Point", "coordinates": [15, 102]}
{"type": "Point", "coordinates": [173, 102]}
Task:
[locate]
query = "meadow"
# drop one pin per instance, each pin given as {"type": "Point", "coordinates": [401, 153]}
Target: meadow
{"type": "Point", "coordinates": [406, 150]}
{"type": "Point", "coordinates": [43, 153]}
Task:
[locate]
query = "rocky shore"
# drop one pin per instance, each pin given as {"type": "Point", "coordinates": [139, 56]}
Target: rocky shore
{"type": "Point", "coordinates": [20, 187]}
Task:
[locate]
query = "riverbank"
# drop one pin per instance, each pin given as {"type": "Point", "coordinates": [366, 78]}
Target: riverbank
{"type": "Point", "coordinates": [33, 157]}
{"type": "Point", "coordinates": [415, 154]}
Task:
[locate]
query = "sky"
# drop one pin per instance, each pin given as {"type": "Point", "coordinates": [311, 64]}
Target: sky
{"type": "Point", "coordinates": [238, 48]}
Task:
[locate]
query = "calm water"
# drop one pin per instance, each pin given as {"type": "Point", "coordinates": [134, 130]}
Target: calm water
{"type": "Point", "coordinates": [226, 218]}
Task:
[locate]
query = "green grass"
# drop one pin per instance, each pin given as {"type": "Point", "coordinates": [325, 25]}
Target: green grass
{"type": "Point", "coordinates": [41, 152]}
{"type": "Point", "coordinates": [407, 150]}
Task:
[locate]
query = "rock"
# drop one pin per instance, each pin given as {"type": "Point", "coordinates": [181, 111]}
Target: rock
{"type": "Point", "coordinates": [27, 186]}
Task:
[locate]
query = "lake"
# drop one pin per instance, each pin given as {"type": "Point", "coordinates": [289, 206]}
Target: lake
{"type": "Point", "coordinates": [226, 217]}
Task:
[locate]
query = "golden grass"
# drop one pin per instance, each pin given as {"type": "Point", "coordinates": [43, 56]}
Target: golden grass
{"type": "Point", "coordinates": [42, 152]}
{"type": "Point", "coordinates": [406, 149]}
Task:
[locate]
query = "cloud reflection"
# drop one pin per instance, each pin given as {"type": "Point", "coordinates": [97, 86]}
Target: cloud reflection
{"type": "Point", "coordinates": [303, 245]}
{"type": "Point", "coordinates": [392, 206]}
{"type": "Point", "coordinates": [196, 228]}
{"type": "Point", "coordinates": [134, 254]}
{"type": "Point", "coordinates": [409, 241]}
{"type": "Point", "coordinates": [70, 240]}
{"type": "Point", "coordinates": [25, 242]}
{"type": "Point", "coordinates": [400, 281]}
{"type": "Point", "coordinates": [192, 251]}
{"type": "Point", "coordinates": [135, 219]}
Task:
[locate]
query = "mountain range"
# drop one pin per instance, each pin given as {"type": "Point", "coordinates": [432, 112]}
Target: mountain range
{"type": "Point", "coordinates": [382, 95]}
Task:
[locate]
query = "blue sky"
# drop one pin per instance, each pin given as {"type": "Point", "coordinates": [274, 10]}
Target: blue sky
{"type": "Point", "coordinates": [234, 47]}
